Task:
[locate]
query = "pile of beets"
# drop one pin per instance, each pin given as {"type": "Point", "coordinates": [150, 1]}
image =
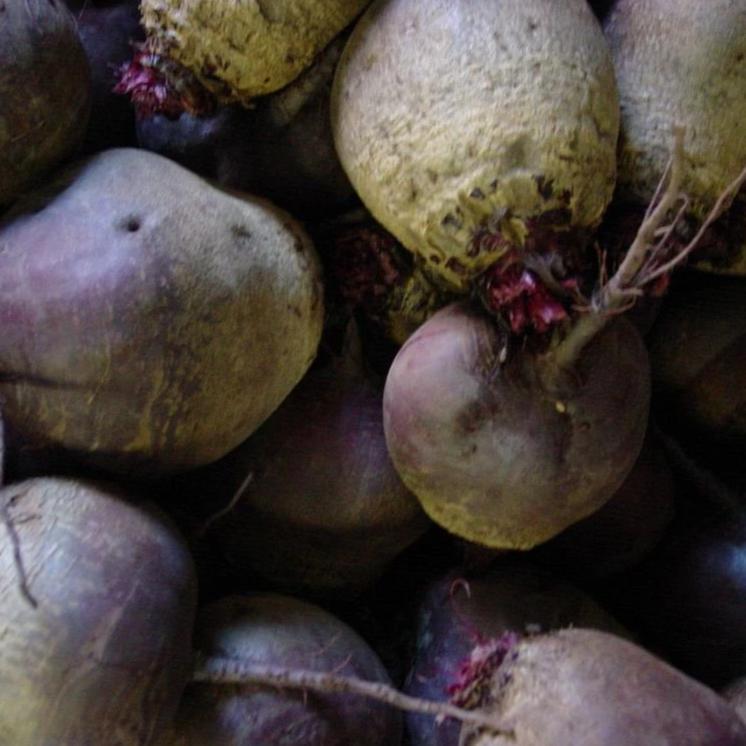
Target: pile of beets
{"type": "Point", "coordinates": [372, 373]}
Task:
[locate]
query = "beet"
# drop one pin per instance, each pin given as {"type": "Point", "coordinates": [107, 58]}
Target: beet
{"type": "Point", "coordinates": [507, 448]}
{"type": "Point", "coordinates": [150, 321]}
{"type": "Point", "coordinates": [688, 598]}
{"type": "Point", "coordinates": [470, 128]}
{"type": "Point", "coordinates": [582, 687]}
{"type": "Point", "coordinates": [698, 359]}
{"type": "Point", "coordinates": [459, 613]}
{"type": "Point", "coordinates": [624, 530]}
{"type": "Point", "coordinates": [282, 631]}
{"type": "Point", "coordinates": [323, 511]}
{"type": "Point", "coordinates": [96, 616]}
{"type": "Point", "coordinates": [735, 693]}
{"type": "Point", "coordinates": [281, 148]}
{"type": "Point", "coordinates": [44, 90]}
{"type": "Point", "coordinates": [107, 34]}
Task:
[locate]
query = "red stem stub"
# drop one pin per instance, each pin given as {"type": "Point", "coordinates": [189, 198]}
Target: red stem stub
{"type": "Point", "coordinates": [472, 686]}
{"type": "Point", "coordinates": [158, 85]}
{"type": "Point", "coordinates": [518, 294]}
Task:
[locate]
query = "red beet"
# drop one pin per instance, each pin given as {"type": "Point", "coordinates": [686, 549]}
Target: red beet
{"type": "Point", "coordinates": [324, 510]}
{"type": "Point", "coordinates": [44, 91]}
{"type": "Point", "coordinates": [582, 687]}
{"type": "Point", "coordinates": [97, 604]}
{"type": "Point", "coordinates": [688, 598]}
{"type": "Point", "coordinates": [107, 34]}
{"type": "Point", "coordinates": [508, 447]}
{"type": "Point", "coordinates": [459, 613]}
{"type": "Point", "coordinates": [277, 630]}
{"type": "Point", "coordinates": [619, 535]}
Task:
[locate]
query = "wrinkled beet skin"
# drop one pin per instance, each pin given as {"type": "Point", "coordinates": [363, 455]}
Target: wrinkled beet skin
{"type": "Point", "coordinates": [688, 598]}
{"type": "Point", "coordinates": [454, 617]}
{"type": "Point", "coordinates": [107, 652]}
{"type": "Point", "coordinates": [277, 630]}
{"type": "Point", "coordinates": [107, 34]}
{"type": "Point", "coordinates": [619, 535]}
{"type": "Point", "coordinates": [44, 92]}
{"type": "Point", "coordinates": [510, 454]}
{"type": "Point", "coordinates": [324, 511]}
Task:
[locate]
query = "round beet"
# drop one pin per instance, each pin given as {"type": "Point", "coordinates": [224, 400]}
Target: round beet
{"type": "Point", "coordinates": [281, 631]}
{"type": "Point", "coordinates": [459, 613]}
{"type": "Point", "coordinates": [324, 509]}
{"type": "Point", "coordinates": [471, 128]}
{"type": "Point", "coordinates": [44, 91]}
{"type": "Point", "coordinates": [507, 448]}
{"type": "Point", "coordinates": [97, 603]}
{"type": "Point", "coordinates": [680, 63]}
{"type": "Point", "coordinates": [582, 687]}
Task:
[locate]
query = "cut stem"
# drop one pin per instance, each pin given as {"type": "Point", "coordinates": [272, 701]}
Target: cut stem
{"type": "Point", "coordinates": [648, 258]}
{"type": "Point", "coordinates": [231, 671]}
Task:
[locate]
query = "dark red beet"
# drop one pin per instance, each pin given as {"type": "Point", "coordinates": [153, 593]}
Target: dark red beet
{"type": "Point", "coordinates": [107, 34]}
{"type": "Point", "coordinates": [323, 510]}
{"type": "Point", "coordinates": [688, 598]}
{"type": "Point", "coordinates": [698, 361]}
{"type": "Point", "coordinates": [95, 617]}
{"type": "Point", "coordinates": [618, 535]}
{"type": "Point", "coordinates": [282, 149]}
{"type": "Point", "coordinates": [281, 631]}
{"type": "Point", "coordinates": [458, 613]}
{"type": "Point", "coordinates": [508, 446]}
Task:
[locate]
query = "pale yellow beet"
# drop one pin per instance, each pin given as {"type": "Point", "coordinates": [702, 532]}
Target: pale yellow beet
{"type": "Point", "coordinates": [455, 115]}
{"type": "Point", "coordinates": [681, 62]}
{"type": "Point", "coordinates": [239, 49]}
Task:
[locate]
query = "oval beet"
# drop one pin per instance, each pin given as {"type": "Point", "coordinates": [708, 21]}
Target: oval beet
{"type": "Point", "coordinates": [44, 91]}
{"type": "Point", "coordinates": [96, 615]}
{"type": "Point", "coordinates": [281, 631]}
{"type": "Point", "coordinates": [151, 321]}
{"type": "Point", "coordinates": [508, 447]}
{"type": "Point", "coordinates": [458, 613]}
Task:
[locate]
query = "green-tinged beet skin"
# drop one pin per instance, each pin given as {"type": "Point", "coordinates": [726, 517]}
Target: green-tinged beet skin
{"type": "Point", "coordinates": [44, 90]}
{"type": "Point", "coordinates": [105, 654]}
{"type": "Point", "coordinates": [149, 320]}
{"type": "Point", "coordinates": [464, 125]}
